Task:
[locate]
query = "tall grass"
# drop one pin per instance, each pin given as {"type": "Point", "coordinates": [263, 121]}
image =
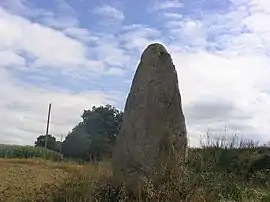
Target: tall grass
{"type": "Point", "coordinates": [28, 152]}
{"type": "Point", "coordinates": [218, 171]}
{"type": "Point", "coordinates": [212, 173]}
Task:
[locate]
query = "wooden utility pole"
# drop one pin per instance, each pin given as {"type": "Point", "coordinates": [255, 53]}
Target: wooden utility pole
{"type": "Point", "coordinates": [61, 144]}
{"type": "Point", "coordinates": [47, 128]}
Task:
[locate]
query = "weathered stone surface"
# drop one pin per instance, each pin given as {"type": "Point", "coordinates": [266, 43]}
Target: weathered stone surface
{"type": "Point", "coordinates": [154, 122]}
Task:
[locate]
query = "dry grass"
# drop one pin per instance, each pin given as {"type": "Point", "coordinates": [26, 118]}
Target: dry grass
{"type": "Point", "coordinates": [210, 175]}
{"type": "Point", "coordinates": [25, 179]}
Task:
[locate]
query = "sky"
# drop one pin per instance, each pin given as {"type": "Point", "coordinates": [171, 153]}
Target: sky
{"type": "Point", "coordinates": [79, 53]}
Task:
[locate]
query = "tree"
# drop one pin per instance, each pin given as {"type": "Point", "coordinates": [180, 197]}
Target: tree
{"type": "Point", "coordinates": [105, 121]}
{"type": "Point", "coordinates": [51, 142]}
{"type": "Point", "coordinates": [58, 145]}
{"type": "Point", "coordinates": [94, 137]}
{"type": "Point", "coordinates": [77, 142]}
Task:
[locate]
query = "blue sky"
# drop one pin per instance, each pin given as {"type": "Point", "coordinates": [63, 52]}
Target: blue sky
{"type": "Point", "coordinates": [79, 53]}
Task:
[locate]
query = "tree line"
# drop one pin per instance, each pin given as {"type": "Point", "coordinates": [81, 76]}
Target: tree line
{"type": "Point", "coordinates": [92, 138]}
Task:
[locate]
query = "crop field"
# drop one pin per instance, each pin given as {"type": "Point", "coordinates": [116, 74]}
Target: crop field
{"type": "Point", "coordinates": [14, 151]}
{"type": "Point", "coordinates": [31, 179]}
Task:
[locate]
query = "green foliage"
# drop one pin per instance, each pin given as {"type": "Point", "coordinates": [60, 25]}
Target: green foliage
{"type": "Point", "coordinates": [28, 152]}
{"type": "Point", "coordinates": [94, 137]}
{"type": "Point", "coordinates": [104, 121]}
{"type": "Point", "coordinates": [227, 154]}
{"type": "Point", "coordinates": [219, 159]}
{"type": "Point", "coordinates": [52, 144]}
{"type": "Point", "coordinates": [76, 144]}
{"type": "Point", "coordinates": [260, 162]}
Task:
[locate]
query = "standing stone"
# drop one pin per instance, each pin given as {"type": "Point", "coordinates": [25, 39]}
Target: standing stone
{"type": "Point", "coordinates": [153, 124]}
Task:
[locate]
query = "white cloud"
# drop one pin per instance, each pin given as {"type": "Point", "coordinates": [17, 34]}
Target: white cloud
{"type": "Point", "coordinates": [235, 72]}
{"type": "Point", "coordinates": [115, 71]}
{"type": "Point", "coordinates": [81, 34]}
{"type": "Point", "coordinates": [24, 106]}
{"type": "Point", "coordinates": [168, 4]}
{"type": "Point", "coordinates": [109, 11]}
{"type": "Point", "coordinates": [224, 86]}
{"type": "Point", "coordinates": [24, 109]}
{"type": "Point", "coordinates": [9, 58]}
{"type": "Point", "coordinates": [187, 32]}
{"type": "Point", "coordinates": [58, 21]}
{"type": "Point", "coordinates": [137, 36]}
{"type": "Point", "coordinates": [17, 6]}
{"type": "Point", "coordinates": [64, 15]}
{"type": "Point", "coordinates": [239, 80]}
{"type": "Point", "coordinates": [111, 54]}
{"type": "Point", "coordinates": [259, 6]}
{"type": "Point", "coordinates": [172, 16]}
{"type": "Point", "coordinates": [48, 46]}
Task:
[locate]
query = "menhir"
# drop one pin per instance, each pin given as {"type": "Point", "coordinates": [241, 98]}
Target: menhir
{"type": "Point", "coordinates": [153, 130]}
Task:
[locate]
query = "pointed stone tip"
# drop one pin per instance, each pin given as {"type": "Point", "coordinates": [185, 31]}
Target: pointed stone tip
{"type": "Point", "coordinates": [154, 50]}
{"type": "Point", "coordinates": [157, 46]}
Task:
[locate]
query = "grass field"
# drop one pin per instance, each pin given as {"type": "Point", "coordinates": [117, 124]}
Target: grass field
{"type": "Point", "coordinates": [29, 179]}
{"type": "Point", "coordinates": [211, 174]}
